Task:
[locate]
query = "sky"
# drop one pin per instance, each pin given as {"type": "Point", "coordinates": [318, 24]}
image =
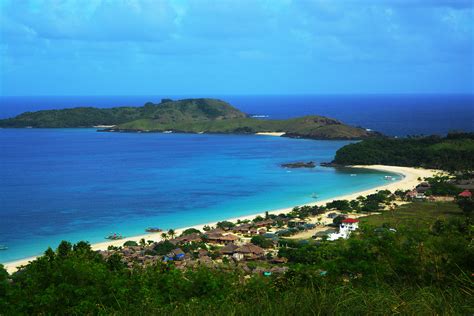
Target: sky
{"type": "Point", "coordinates": [158, 47]}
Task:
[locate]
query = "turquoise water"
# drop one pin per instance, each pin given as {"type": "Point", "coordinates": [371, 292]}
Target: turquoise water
{"type": "Point", "coordinates": [78, 184]}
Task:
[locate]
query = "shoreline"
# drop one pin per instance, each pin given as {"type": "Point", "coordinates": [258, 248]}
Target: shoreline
{"type": "Point", "coordinates": [409, 180]}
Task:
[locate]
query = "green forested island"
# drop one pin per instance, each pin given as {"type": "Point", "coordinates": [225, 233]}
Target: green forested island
{"type": "Point", "coordinates": [188, 116]}
{"type": "Point", "coordinates": [453, 153]}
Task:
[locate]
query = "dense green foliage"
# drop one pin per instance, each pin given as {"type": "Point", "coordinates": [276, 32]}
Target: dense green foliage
{"type": "Point", "coordinates": [454, 152]}
{"type": "Point", "coordinates": [190, 116]}
{"type": "Point", "coordinates": [422, 268]}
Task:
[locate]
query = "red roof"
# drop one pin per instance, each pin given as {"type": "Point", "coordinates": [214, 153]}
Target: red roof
{"type": "Point", "coordinates": [350, 220]}
{"type": "Point", "coordinates": [465, 193]}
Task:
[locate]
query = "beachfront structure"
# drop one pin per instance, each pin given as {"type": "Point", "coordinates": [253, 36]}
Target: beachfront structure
{"type": "Point", "coordinates": [347, 226]}
{"type": "Point", "coordinates": [414, 194]}
{"type": "Point", "coordinates": [465, 194]}
{"type": "Point", "coordinates": [222, 239]}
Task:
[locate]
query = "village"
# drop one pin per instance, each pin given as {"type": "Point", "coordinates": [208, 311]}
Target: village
{"type": "Point", "coordinates": [253, 246]}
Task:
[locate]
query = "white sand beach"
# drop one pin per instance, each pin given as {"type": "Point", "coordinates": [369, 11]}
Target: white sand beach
{"type": "Point", "coordinates": [408, 182]}
{"type": "Point", "coordinates": [269, 133]}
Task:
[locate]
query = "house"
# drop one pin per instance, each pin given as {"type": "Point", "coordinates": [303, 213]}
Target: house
{"type": "Point", "coordinates": [279, 260]}
{"type": "Point", "coordinates": [248, 252]}
{"type": "Point", "coordinates": [228, 249]}
{"type": "Point", "coordinates": [465, 194]}
{"type": "Point", "coordinates": [176, 254]}
{"type": "Point", "coordinates": [242, 229]}
{"type": "Point", "coordinates": [295, 222]}
{"type": "Point", "coordinates": [414, 194]}
{"type": "Point", "coordinates": [267, 222]}
{"type": "Point", "coordinates": [423, 187]}
{"type": "Point", "coordinates": [222, 239]}
{"type": "Point", "coordinates": [347, 226]}
{"type": "Point", "coordinates": [332, 215]}
{"type": "Point", "coordinates": [194, 237]}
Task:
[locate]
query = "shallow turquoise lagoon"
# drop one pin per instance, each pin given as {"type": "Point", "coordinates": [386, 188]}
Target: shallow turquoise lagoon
{"type": "Point", "coordinates": [78, 184]}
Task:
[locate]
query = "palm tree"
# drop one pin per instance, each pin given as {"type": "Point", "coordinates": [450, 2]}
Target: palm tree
{"type": "Point", "coordinates": [171, 233]}
{"type": "Point", "coordinates": [164, 236]}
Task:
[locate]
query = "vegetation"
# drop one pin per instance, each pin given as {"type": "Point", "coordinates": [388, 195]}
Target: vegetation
{"type": "Point", "coordinates": [190, 116]}
{"type": "Point", "coordinates": [453, 153]}
{"type": "Point", "coordinates": [440, 185]}
{"type": "Point", "coordinates": [422, 268]}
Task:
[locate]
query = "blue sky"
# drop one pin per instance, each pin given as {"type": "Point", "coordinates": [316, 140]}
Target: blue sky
{"type": "Point", "coordinates": [153, 47]}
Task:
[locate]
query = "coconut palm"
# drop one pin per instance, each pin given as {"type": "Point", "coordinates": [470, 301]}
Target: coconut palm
{"type": "Point", "coordinates": [164, 236]}
{"type": "Point", "coordinates": [171, 233]}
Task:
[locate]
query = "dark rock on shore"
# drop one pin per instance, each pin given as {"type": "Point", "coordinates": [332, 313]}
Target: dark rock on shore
{"type": "Point", "coordinates": [301, 164]}
{"type": "Point", "coordinates": [329, 164]}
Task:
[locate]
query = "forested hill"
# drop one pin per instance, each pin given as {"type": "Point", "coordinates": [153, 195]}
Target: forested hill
{"type": "Point", "coordinates": [189, 116]}
{"type": "Point", "coordinates": [167, 111]}
{"type": "Point", "coordinates": [454, 152]}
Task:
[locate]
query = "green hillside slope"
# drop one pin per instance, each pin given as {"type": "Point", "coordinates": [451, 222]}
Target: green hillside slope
{"type": "Point", "coordinates": [190, 116]}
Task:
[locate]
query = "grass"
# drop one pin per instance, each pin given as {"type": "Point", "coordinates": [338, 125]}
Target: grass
{"type": "Point", "coordinates": [418, 214]}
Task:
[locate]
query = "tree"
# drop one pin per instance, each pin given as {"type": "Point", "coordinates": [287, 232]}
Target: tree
{"type": "Point", "coordinates": [225, 225]}
{"type": "Point", "coordinates": [130, 243]}
{"type": "Point", "coordinates": [342, 205]}
{"type": "Point", "coordinates": [114, 262]}
{"type": "Point", "coordinates": [190, 231]}
{"type": "Point", "coordinates": [83, 246]}
{"type": "Point", "coordinates": [64, 249]}
{"type": "Point", "coordinates": [338, 220]}
{"type": "Point", "coordinates": [164, 247]}
{"type": "Point", "coordinates": [261, 242]}
{"type": "Point", "coordinates": [171, 233]}
{"type": "Point", "coordinates": [466, 205]}
{"type": "Point", "coordinates": [164, 236]}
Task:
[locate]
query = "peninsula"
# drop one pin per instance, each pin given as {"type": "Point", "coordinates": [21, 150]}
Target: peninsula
{"type": "Point", "coordinates": [187, 116]}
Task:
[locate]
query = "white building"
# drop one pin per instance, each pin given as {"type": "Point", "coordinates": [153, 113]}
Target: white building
{"type": "Point", "coordinates": [347, 226]}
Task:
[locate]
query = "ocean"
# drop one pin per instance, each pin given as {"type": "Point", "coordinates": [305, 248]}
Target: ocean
{"type": "Point", "coordinates": [78, 184]}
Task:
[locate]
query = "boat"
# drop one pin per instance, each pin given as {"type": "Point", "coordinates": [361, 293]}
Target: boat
{"type": "Point", "coordinates": [153, 230]}
{"type": "Point", "coordinates": [314, 196]}
{"type": "Point", "coordinates": [353, 175]}
{"type": "Point", "coordinates": [3, 247]}
{"type": "Point", "coordinates": [114, 236]}
{"type": "Point", "coordinates": [388, 178]}
{"type": "Point", "coordinates": [167, 132]}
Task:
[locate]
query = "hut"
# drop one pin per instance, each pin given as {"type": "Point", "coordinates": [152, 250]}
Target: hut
{"type": "Point", "coordinates": [465, 194]}
{"type": "Point", "coordinates": [222, 239]}
{"type": "Point", "coordinates": [250, 251]}
{"type": "Point", "coordinates": [228, 249]}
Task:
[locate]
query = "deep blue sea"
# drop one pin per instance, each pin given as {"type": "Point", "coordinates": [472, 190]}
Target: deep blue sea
{"type": "Point", "coordinates": [77, 184]}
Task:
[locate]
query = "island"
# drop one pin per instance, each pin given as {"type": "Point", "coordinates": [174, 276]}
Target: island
{"type": "Point", "coordinates": [187, 116]}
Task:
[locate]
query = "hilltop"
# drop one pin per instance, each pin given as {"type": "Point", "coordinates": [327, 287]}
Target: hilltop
{"type": "Point", "coordinates": [188, 116]}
